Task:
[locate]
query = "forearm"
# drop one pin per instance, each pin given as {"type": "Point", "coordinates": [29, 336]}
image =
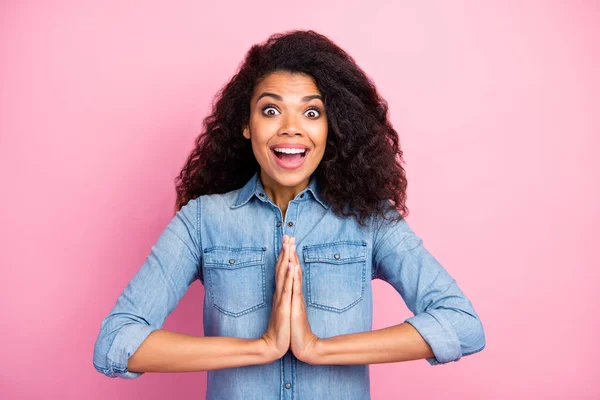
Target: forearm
{"type": "Point", "coordinates": [165, 351]}
{"type": "Point", "coordinates": [397, 343]}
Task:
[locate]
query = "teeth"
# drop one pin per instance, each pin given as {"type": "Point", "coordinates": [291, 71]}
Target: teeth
{"type": "Point", "coordinates": [290, 151]}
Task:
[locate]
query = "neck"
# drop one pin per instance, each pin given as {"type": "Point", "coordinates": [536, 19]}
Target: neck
{"type": "Point", "coordinates": [279, 194]}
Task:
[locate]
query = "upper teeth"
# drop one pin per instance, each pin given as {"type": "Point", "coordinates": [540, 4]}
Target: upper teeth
{"type": "Point", "coordinates": [289, 151]}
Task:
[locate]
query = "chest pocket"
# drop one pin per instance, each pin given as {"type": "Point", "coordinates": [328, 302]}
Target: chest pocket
{"type": "Point", "coordinates": [335, 274]}
{"type": "Point", "coordinates": [236, 278]}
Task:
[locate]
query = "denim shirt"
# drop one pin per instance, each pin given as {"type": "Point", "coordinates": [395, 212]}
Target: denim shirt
{"type": "Point", "coordinates": [231, 241]}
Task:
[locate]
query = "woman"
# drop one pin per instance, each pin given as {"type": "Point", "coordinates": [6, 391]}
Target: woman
{"type": "Point", "coordinates": [291, 203]}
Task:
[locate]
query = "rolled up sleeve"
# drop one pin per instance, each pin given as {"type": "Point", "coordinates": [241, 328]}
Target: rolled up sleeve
{"type": "Point", "coordinates": [152, 294]}
{"type": "Point", "coordinates": [443, 315]}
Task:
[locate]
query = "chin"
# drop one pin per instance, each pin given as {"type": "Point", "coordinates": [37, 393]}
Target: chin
{"type": "Point", "coordinates": [288, 178]}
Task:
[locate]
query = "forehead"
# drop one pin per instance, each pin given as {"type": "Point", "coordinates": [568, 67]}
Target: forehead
{"type": "Point", "coordinates": [287, 84]}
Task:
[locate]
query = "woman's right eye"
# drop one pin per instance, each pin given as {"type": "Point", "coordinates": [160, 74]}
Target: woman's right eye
{"type": "Point", "coordinates": [270, 110]}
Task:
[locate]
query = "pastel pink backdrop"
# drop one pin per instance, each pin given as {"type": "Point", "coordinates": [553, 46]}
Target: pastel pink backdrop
{"type": "Point", "coordinates": [497, 108]}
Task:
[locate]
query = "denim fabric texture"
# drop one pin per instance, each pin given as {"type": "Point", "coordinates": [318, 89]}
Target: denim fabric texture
{"type": "Point", "coordinates": [231, 241]}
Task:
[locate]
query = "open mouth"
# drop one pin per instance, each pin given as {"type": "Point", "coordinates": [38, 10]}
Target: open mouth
{"type": "Point", "coordinates": [290, 158]}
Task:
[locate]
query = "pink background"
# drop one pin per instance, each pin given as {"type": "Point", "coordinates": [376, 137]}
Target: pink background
{"type": "Point", "coordinates": [497, 107]}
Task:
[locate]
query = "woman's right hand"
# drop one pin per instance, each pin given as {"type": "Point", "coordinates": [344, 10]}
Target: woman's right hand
{"type": "Point", "coordinates": [278, 334]}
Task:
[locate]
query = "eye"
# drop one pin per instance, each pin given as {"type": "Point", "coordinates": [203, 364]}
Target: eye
{"type": "Point", "coordinates": [270, 110]}
{"type": "Point", "coordinates": [313, 113]}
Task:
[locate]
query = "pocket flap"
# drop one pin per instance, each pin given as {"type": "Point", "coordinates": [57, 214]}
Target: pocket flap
{"type": "Point", "coordinates": [336, 253]}
{"type": "Point", "coordinates": [227, 257]}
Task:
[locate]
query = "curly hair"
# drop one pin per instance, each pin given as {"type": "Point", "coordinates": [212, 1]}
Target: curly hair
{"type": "Point", "coordinates": [361, 172]}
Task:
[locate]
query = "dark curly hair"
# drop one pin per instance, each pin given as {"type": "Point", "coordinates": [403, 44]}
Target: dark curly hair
{"type": "Point", "coordinates": [361, 171]}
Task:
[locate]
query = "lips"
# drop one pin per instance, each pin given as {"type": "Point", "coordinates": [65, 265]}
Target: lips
{"type": "Point", "coordinates": [288, 146]}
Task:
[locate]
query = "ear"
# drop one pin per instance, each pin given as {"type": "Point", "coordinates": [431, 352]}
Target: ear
{"type": "Point", "coordinates": [246, 132]}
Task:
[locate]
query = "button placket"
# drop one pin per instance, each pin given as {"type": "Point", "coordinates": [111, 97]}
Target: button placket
{"type": "Point", "coordinates": [288, 370]}
{"type": "Point", "coordinates": [291, 219]}
{"type": "Point", "coordinates": [287, 375]}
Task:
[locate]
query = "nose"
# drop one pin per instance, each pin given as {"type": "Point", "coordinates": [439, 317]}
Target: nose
{"type": "Point", "coordinates": [290, 125]}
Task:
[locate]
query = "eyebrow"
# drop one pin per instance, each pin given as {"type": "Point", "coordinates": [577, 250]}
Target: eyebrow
{"type": "Point", "coordinates": [278, 97]}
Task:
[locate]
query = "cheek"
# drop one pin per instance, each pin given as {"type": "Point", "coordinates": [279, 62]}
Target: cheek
{"type": "Point", "coordinates": [262, 130]}
{"type": "Point", "coordinates": [258, 147]}
{"type": "Point", "coordinates": [317, 131]}
{"type": "Point", "coordinates": [321, 137]}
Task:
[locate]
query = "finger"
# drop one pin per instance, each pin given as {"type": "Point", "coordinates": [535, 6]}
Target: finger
{"type": "Point", "coordinates": [292, 252]}
{"type": "Point", "coordinates": [286, 296]}
{"type": "Point", "coordinates": [279, 271]}
{"type": "Point", "coordinates": [286, 242]}
{"type": "Point", "coordinates": [297, 284]}
{"type": "Point", "coordinates": [299, 276]}
{"type": "Point", "coordinates": [282, 268]}
{"type": "Point", "coordinates": [281, 252]}
{"type": "Point", "coordinates": [296, 257]}
{"type": "Point", "coordinates": [293, 243]}
{"type": "Point", "coordinates": [285, 260]}
{"type": "Point", "coordinates": [298, 302]}
{"type": "Point", "coordinates": [279, 257]}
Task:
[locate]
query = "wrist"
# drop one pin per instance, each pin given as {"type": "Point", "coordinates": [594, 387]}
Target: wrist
{"type": "Point", "coordinates": [267, 353]}
{"type": "Point", "coordinates": [319, 351]}
{"type": "Point", "coordinates": [314, 356]}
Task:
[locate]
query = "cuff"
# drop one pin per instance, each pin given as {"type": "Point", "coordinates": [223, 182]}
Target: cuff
{"type": "Point", "coordinates": [439, 335]}
{"type": "Point", "coordinates": [126, 342]}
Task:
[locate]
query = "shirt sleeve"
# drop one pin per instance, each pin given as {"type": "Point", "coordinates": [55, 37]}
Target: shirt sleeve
{"type": "Point", "coordinates": [152, 294]}
{"type": "Point", "coordinates": [443, 315]}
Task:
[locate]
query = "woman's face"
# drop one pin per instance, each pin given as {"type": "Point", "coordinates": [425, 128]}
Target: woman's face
{"type": "Point", "coordinates": [287, 128]}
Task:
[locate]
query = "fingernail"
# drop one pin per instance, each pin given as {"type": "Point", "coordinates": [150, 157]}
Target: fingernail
{"type": "Point", "coordinates": [293, 247]}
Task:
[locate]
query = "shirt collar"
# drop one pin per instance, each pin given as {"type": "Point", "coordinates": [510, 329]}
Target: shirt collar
{"type": "Point", "coordinates": [254, 187]}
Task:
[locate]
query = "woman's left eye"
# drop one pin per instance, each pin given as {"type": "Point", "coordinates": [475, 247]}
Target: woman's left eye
{"type": "Point", "coordinates": [312, 113]}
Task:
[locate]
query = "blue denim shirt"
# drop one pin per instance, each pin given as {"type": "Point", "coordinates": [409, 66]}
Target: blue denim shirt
{"type": "Point", "coordinates": [230, 242]}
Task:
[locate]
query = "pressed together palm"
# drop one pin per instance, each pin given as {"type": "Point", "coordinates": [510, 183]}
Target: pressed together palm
{"type": "Point", "coordinates": [288, 325]}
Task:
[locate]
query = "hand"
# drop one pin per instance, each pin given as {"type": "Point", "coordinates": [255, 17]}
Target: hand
{"type": "Point", "coordinates": [303, 340]}
{"type": "Point", "coordinates": [277, 336]}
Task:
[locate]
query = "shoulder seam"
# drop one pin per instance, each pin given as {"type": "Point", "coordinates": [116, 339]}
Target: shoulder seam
{"type": "Point", "coordinates": [198, 220]}
{"type": "Point", "coordinates": [198, 237]}
{"type": "Point", "coordinates": [373, 223]}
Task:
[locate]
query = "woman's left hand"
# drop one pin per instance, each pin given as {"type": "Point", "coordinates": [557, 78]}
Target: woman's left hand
{"type": "Point", "coordinates": [303, 340]}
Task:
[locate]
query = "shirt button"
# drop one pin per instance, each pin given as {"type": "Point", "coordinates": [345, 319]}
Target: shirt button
{"type": "Point", "coordinates": [302, 196]}
{"type": "Point", "coordinates": [261, 194]}
{"type": "Point", "coordinates": [337, 256]}
{"type": "Point", "coordinates": [278, 224]}
{"type": "Point", "coordinates": [288, 385]}
{"type": "Point", "coordinates": [290, 224]}
{"type": "Point", "coordinates": [232, 261]}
